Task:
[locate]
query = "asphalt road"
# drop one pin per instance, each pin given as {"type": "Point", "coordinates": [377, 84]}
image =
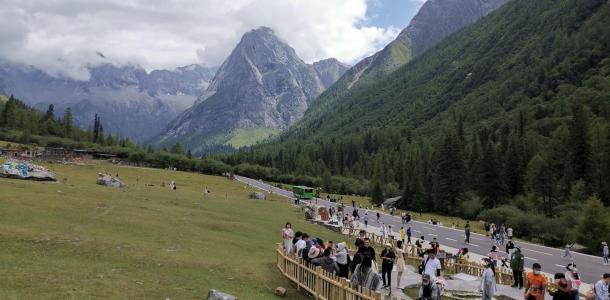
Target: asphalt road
{"type": "Point", "coordinates": [590, 267]}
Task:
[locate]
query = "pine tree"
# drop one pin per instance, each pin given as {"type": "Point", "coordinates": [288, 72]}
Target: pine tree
{"type": "Point", "coordinates": [67, 120]}
{"type": "Point", "coordinates": [594, 225]}
{"type": "Point", "coordinates": [541, 181]}
{"type": "Point", "coordinates": [189, 155]}
{"type": "Point", "coordinates": [96, 128]}
{"type": "Point", "coordinates": [100, 139]}
{"type": "Point", "coordinates": [579, 143]}
{"type": "Point", "coordinates": [514, 172]}
{"type": "Point", "coordinates": [449, 174]}
{"type": "Point", "coordinates": [176, 149]}
{"type": "Point", "coordinates": [492, 189]}
{"type": "Point", "coordinates": [50, 114]}
{"type": "Point", "coordinates": [377, 196]}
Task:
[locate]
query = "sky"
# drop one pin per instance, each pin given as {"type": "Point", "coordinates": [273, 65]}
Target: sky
{"type": "Point", "coordinates": [65, 37]}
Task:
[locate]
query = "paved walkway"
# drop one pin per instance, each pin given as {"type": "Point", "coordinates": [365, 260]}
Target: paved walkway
{"type": "Point", "coordinates": [450, 239]}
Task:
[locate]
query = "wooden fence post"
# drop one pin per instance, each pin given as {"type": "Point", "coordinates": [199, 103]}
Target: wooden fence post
{"type": "Point", "coordinates": [378, 295]}
{"type": "Point", "coordinates": [318, 288]}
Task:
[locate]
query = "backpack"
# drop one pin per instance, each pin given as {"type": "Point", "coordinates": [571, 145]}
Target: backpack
{"type": "Point", "coordinates": [422, 266]}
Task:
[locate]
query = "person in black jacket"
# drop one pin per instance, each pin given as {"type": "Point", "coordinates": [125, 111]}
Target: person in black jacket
{"type": "Point", "coordinates": [388, 257]}
{"type": "Point", "coordinates": [367, 249]}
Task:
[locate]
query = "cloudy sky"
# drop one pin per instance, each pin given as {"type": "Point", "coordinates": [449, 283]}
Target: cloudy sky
{"type": "Point", "coordinates": [63, 36]}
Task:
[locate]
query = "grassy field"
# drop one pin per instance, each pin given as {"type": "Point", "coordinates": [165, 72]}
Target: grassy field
{"type": "Point", "coordinates": [78, 240]}
{"type": "Point", "coordinates": [249, 136]}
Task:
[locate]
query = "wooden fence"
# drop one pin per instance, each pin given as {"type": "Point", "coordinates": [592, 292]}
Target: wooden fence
{"type": "Point", "coordinates": [319, 283]}
{"type": "Point", "coordinates": [450, 264]}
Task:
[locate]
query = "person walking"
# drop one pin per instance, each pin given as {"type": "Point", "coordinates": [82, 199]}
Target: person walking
{"type": "Point", "coordinates": [517, 260]}
{"type": "Point", "coordinates": [400, 261]}
{"type": "Point", "coordinates": [509, 233]}
{"type": "Point", "coordinates": [566, 253]}
{"type": "Point", "coordinates": [401, 234]}
{"type": "Point", "coordinates": [488, 280]}
{"type": "Point", "coordinates": [409, 235]}
{"type": "Point", "coordinates": [387, 264]}
{"type": "Point", "coordinates": [535, 284]}
{"type": "Point", "coordinates": [510, 246]}
{"type": "Point", "coordinates": [467, 232]}
{"type": "Point", "coordinates": [378, 217]}
{"type": "Point", "coordinates": [572, 276]}
{"type": "Point", "coordinates": [431, 265]}
{"type": "Point", "coordinates": [366, 219]}
{"type": "Point", "coordinates": [287, 236]}
{"type": "Point", "coordinates": [605, 252]}
{"type": "Point", "coordinates": [601, 287]}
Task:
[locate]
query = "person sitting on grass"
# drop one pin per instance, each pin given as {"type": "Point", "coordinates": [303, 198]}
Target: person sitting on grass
{"type": "Point", "coordinates": [366, 276]}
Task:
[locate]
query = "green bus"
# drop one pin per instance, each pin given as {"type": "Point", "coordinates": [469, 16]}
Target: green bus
{"type": "Point", "coordinates": [302, 192]}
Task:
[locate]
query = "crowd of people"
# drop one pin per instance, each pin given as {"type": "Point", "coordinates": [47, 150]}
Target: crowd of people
{"type": "Point", "coordinates": [362, 269]}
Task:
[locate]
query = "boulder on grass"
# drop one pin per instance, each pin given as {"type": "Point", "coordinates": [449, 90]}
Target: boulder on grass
{"type": "Point", "coordinates": [257, 195]}
{"type": "Point", "coordinates": [107, 180]}
{"type": "Point", "coordinates": [218, 295]}
{"type": "Point", "coordinates": [280, 291]}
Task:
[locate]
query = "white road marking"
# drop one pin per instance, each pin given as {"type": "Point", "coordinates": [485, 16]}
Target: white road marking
{"type": "Point", "coordinates": [474, 238]}
{"type": "Point", "coordinates": [474, 245]}
{"type": "Point", "coordinates": [417, 231]}
{"type": "Point", "coordinates": [560, 266]}
{"type": "Point", "coordinates": [429, 228]}
{"type": "Point", "coordinates": [530, 258]}
{"type": "Point", "coordinates": [536, 251]}
{"type": "Point", "coordinates": [450, 239]}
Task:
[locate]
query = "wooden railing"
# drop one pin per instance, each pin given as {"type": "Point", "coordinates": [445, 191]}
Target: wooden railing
{"type": "Point", "coordinates": [450, 264]}
{"type": "Point", "coordinates": [319, 283]}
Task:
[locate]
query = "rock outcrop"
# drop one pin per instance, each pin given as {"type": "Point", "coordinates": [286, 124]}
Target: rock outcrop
{"type": "Point", "coordinates": [262, 84]}
{"type": "Point", "coordinates": [107, 180]}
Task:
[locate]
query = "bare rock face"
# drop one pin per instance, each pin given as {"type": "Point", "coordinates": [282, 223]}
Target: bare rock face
{"type": "Point", "coordinates": [218, 295]}
{"type": "Point", "coordinates": [262, 84]}
{"type": "Point", "coordinates": [107, 180]}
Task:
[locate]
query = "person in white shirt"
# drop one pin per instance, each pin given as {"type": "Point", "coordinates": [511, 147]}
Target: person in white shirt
{"type": "Point", "coordinates": [509, 233]}
{"type": "Point", "coordinates": [301, 244]}
{"type": "Point", "coordinates": [432, 266]}
{"type": "Point", "coordinates": [601, 287]}
{"type": "Point", "coordinates": [488, 280]}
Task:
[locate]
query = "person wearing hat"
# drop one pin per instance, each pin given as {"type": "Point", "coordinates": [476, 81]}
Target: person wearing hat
{"type": "Point", "coordinates": [572, 276]}
{"type": "Point", "coordinates": [428, 290]}
{"type": "Point", "coordinates": [313, 253]}
{"type": "Point", "coordinates": [535, 284]}
{"type": "Point", "coordinates": [387, 264]}
{"type": "Point", "coordinates": [517, 260]}
{"type": "Point", "coordinates": [605, 252]}
{"type": "Point", "coordinates": [488, 280]}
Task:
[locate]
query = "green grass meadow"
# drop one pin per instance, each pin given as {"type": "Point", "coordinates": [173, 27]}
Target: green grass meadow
{"type": "Point", "coordinates": [78, 240]}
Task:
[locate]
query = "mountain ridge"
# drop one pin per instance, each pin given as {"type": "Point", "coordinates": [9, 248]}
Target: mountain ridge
{"type": "Point", "coordinates": [262, 84]}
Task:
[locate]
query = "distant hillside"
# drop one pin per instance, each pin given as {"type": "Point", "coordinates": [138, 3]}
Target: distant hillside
{"type": "Point", "coordinates": [435, 20]}
{"type": "Point", "coordinates": [479, 115]}
{"type": "Point", "coordinates": [130, 101]}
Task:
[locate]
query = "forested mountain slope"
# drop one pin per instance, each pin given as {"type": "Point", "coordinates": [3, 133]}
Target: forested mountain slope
{"type": "Point", "coordinates": [514, 109]}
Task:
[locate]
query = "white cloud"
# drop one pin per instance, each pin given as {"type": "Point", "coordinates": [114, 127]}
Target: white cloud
{"type": "Point", "coordinates": [62, 37]}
